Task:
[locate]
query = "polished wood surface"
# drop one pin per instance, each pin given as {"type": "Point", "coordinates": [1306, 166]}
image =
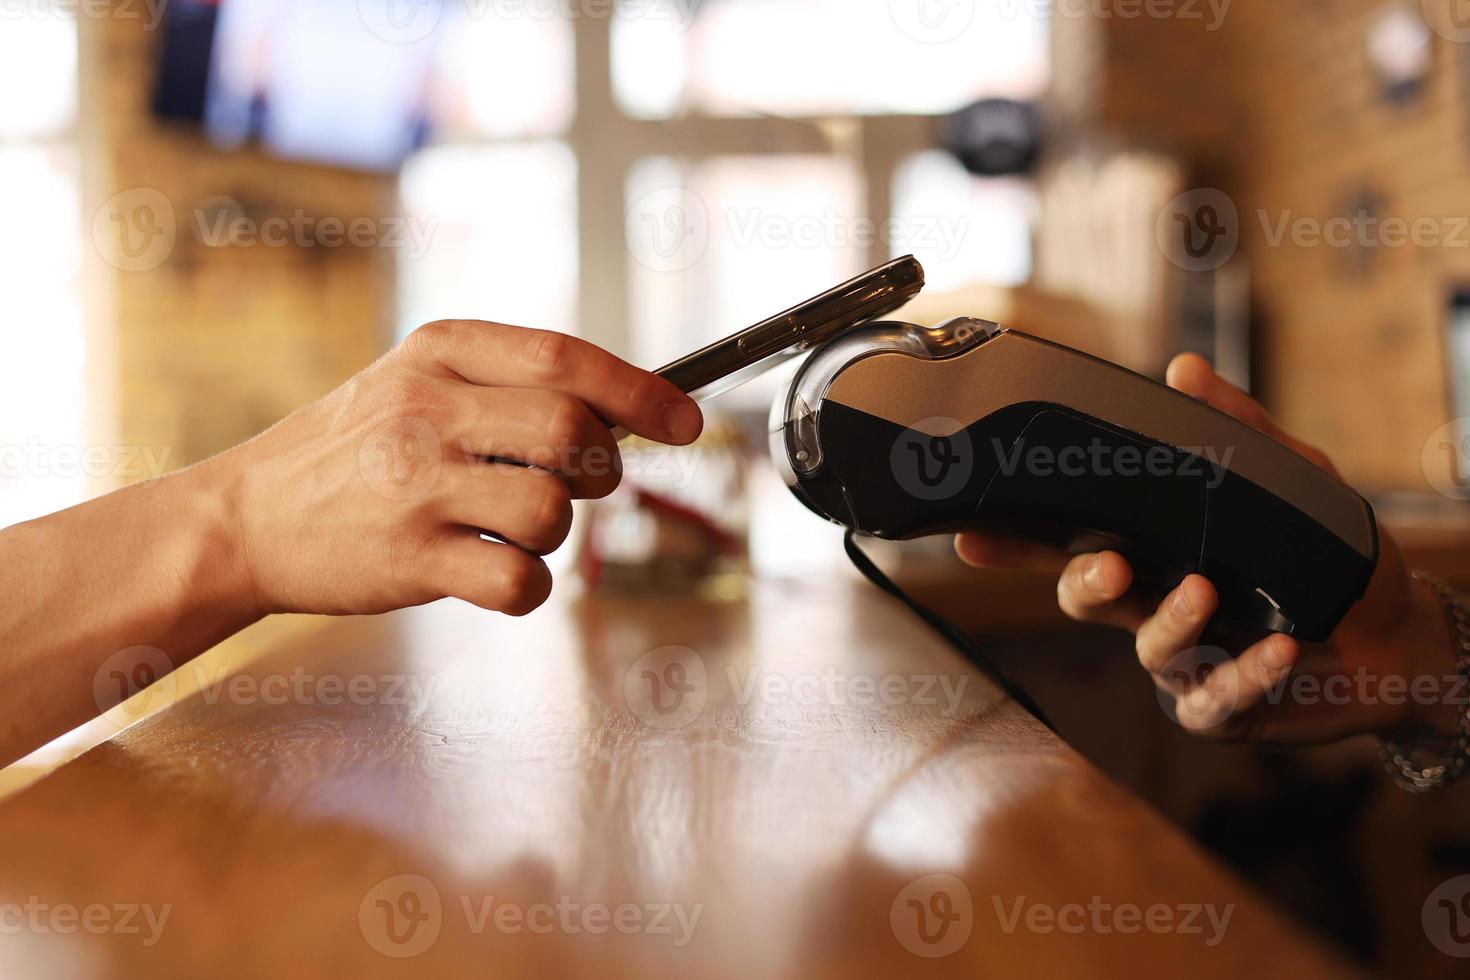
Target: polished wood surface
{"type": "Point", "coordinates": [807, 783]}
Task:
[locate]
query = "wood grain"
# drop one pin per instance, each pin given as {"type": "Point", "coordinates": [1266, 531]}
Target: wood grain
{"type": "Point", "coordinates": [519, 773]}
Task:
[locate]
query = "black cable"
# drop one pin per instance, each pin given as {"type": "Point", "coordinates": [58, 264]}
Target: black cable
{"type": "Point", "coordinates": [944, 628]}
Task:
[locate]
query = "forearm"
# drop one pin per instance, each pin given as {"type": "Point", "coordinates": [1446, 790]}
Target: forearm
{"type": "Point", "coordinates": [150, 565]}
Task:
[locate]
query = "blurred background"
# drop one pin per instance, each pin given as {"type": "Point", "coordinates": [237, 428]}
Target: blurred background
{"type": "Point", "coordinates": [215, 212]}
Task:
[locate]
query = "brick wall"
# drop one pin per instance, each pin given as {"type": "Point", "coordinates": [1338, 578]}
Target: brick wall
{"type": "Point", "coordinates": [1278, 108]}
{"type": "Point", "coordinates": [212, 344]}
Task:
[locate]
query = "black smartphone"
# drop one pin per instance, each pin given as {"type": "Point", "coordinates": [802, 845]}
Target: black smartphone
{"type": "Point", "coordinates": [736, 359]}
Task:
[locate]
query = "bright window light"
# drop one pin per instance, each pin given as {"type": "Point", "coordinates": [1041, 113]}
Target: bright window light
{"type": "Point", "coordinates": [501, 227]}
{"type": "Point", "coordinates": [38, 74]}
{"type": "Point", "coordinates": [814, 57]}
{"type": "Point", "coordinates": [725, 243]}
{"type": "Point", "coordinates": [964, 229]}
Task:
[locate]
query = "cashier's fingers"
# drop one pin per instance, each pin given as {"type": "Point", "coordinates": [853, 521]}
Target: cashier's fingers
{"type": "Point", "coordinates": [1192, 375]}
{"type": "Point", "coordinates": [499, 577]}
{"type": "Point", "coordinates": [1177, 624]}
{"type": "Point", "coordinates": [1232, 701]}
{"type": "Point", "coordinates": [1094, 589]}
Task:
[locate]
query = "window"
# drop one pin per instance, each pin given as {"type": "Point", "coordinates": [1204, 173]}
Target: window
{"type": "Point", "coordinates": [670, 171]}
{"type": "Point", "coordinates": [43, 395]}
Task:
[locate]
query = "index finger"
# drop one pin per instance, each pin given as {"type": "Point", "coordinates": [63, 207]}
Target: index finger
{"type": "Point", "coordinates": [497, 355]}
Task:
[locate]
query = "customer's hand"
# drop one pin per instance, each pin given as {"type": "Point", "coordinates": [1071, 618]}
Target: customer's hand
{"type": "Point", "coordinates": [1362, 680]}
{"type": "Point", "coordinates": [375, 497]}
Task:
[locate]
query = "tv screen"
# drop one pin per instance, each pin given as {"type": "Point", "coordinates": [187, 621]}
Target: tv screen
{"type": "Point", "coordinates": [313, 80]}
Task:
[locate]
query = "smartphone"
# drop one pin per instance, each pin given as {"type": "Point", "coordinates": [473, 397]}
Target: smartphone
{"type": "Point", "coordinates": [731, 362]}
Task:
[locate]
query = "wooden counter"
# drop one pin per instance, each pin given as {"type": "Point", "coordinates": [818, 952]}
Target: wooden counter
{"type": "Point", "coordinates": [804, 784]}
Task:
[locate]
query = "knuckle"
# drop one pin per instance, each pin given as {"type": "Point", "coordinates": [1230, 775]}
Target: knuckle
{"type": "Point", "coordinates": [549, 354]}
{"type": "Point", "coordinates": [436, 334]}
{"type": "Point", "coordinates": [553, 519]}
{"type": "Point", "coordinates": [566, 425]}
{"type": "Point", "coordinates": [414, 395]}
{"type": "Point", "coordinates": [520, 585]}
{"type": "Point", "coordinates": [640, 396]}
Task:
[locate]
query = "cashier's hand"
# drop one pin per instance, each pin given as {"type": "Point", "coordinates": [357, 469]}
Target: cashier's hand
{"type": "Point", "coordinates": [375, 497]}
{"type": "Point", "coordinates": [1278, 689]}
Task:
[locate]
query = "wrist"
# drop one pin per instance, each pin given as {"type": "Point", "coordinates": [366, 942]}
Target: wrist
{"type": "Point", "coordinates": [1433, 656]}
{"type": "Point", "coordinates": [1423, 757]}
{"type": "Point", "coordinates": [210, 494]}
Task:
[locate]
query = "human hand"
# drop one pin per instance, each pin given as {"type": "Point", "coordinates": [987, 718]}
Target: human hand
{"type": "Point", "coordinates": [1277, 689]}
{"type": "Point", "coordinates": [375, 497]}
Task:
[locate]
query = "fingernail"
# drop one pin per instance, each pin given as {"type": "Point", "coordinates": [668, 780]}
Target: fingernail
{"type": "Point", "coordinates": [1094, 574]}
{"type": "Point", "coordinates": [1180, 605]}
{"type": "Point", "coordinates": [683, 421]}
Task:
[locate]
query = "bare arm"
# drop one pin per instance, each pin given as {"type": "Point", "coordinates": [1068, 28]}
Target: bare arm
{"type": "Point", "coordinates": [372, 499]}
